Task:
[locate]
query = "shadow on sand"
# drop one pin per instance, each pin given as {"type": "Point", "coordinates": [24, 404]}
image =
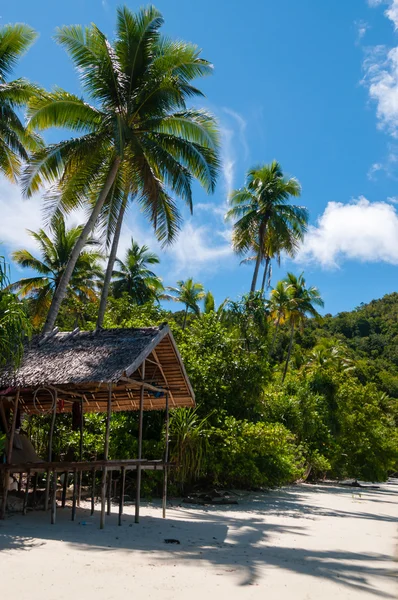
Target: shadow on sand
{"type": "Point", "coordinates": [217, 535]}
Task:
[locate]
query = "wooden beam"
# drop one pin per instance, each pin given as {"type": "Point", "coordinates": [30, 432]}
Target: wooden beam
{"type": "Point", "coordinates": [106, 452]}
{"type": "Point", "coordinates": [26, 496]}
{"type": "Point", "coordinates": [50, 449]}
{"type": "Point", "coordinates": [163, 373]}
{"type": "Point", "coordinates": [79, 495]}
{"type": "Point", "coordinates": [140, 428]}
{"type": "Point", "coordinates": [166, 458]}
{"type": "Point", "coordinates": [143, 384]}
{"type": "Point", "coordinates": [54, 498]}
{"type": "Point", "coordinates": [122, 488]}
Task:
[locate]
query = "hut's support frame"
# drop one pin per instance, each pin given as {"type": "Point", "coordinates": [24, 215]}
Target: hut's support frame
{"type": "Point", "coordinates": [106, 453]}
{"type": "Point", "coordinates": [6, 476]}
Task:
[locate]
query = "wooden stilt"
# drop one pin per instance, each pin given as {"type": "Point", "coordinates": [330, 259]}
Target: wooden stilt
{"type": "Point", "coordinates": [93, 492]}
{"type": "Point", "coordinates": [54, 499]}
{"type": "Point", "coordinates": [64, 488]}
{"type": "Point", "coordinates": [80, 451]}
{"type": "Point", "coordinates": [109, 493]}
{"type": "Point", "coordinates": [26, 497]}
{"type": "Point", "coordinates": [20, 482]}
{"type": "Point", "coordinates": [74, 494]}
{"type": "Point", "coordinates": [34, 489]}
{"type": "Point", "coordinates": [6, 481]}
{"type": "Point", "coordinates": [166, 458]}
{"type": "Point", "coordinates": [122, 486]}
{"type": "Point", "coordinates": [140, 427]}
{"type": "Point", "coordinates": [50, 450]}
{"type": "Point", "coordinates": [106, 453]}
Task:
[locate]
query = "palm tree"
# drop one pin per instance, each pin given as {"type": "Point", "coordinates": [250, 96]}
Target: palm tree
{"type": "Point", "coordinates": [136, 138]}
{"type": "Point", "coordinates": [15, 140]}
{"type": "Point", "coordinates": [189, 293]}
{"type": "Point", "coordinates": [302, 303]}
{"type": "Point", "coordinates": [279, 306]}
{"type": "Point", "coordinates": [55, 251]}
{"type": "Point", "coordinates": [209, 306]}
{"type": "Point", "coordinates": [15, 325]}
{"type": "Point", "coordinates": [263, 211]}
{"type": "Point", "coordinates": [134, 277]}
{"type": "Point", "coordinates": [330, 353]}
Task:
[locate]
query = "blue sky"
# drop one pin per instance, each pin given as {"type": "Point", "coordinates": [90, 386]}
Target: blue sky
{"type": "Point", "coordinates": [312, 84]}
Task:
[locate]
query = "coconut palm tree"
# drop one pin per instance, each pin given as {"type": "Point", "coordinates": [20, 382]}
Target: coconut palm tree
{"type": "Point", "coordinates": [15, 325]}
{"type": "Point", "coordinates": [134, 277]}
{"type": "Point", "coordinates": [15, 140]}
{"type": "Point", "coordinates": [302, 303]}
{"type": "Point", "coordinates": [209, 306]}
{"type": "Point", "coordinates": [55, 250]}
{"type": "Point", "coordinates": [279, 306]}
{"type": "Point", "coordinates": [261, 209]}
{"type": "Point", "coordinates": [189, 293]}
{"type": "Point", "coordinates": [134, 133]}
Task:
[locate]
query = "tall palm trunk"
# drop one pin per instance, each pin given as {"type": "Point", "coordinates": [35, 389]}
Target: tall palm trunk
{"type": "Point", "coordinates": [261, 236]}
{"type": "Point", "coordinates": [255, 274]}
{"type": "Point", "coordinates": [271, 350]}
{"type": "Point", "coordinates": [185, 317]}
{"type": "Point", "coordinates": [60, 292]}
{"type": "Point", "coordinates": [288, 353]}
{"type": "Point", "coordinates": [111, 264]}
{"type": "Point", "coordinates": [266, 268]}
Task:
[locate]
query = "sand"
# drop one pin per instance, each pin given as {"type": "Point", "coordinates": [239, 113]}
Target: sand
{"type": "Point", "coordinates": [303, 542]}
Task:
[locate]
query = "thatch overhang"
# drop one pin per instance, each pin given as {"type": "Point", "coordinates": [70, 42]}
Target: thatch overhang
{"type": "Point", "coordinates": [81, 365]}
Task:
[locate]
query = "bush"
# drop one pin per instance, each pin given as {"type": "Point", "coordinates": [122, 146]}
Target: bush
{"type": "Point", "coordinates": [251, 455]}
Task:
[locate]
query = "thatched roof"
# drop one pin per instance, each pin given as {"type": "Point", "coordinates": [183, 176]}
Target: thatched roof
{"type": "Point", "coordinates": [83, 363]}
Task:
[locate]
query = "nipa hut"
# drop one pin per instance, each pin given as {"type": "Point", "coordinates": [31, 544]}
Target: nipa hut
{"type": "Point", "coordinates": [102, 371]}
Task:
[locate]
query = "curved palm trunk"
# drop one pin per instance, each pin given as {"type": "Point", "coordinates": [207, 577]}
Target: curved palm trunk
{"type": "Point", "coordinates": [255, 274]}
{"type": "Point", "coordinates": [266, 268]}
{"type": "Point", "coordinates": [288, 353]}
{"type": "Point", "coordinates": [111, 264]}
{"type": "Point", "coordinates": [60, 292]}
{"type": "Point", "coordinates": [271, 350]}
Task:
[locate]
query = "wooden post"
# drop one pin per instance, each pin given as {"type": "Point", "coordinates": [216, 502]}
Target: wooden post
{"type": "Point", "coordinates": [80, 451]}
{"type": "Point", "coordinates": [74, 494]}
{"type": "Point", "coordinates": [140, 427]}
{"type": "Point", "coordinates": [64, 488]}
{"type": "Point", "coordinates": [166, 458]}
{"type": "Point", "coordinates": [93, 493]}
{"type": "Point", "coordinates": [25, 500]}
{"type": "Point", "coordinates": [6, 483]}
{"type": "Point", "coordinates": [106, 452]}
{"type": "Point", "coordinates": [122, 486]}
{"type": "Point", "coordinates": [54, 498]}
{"type": "Point", "coordinates": [50, 450]}
{"type": "Point", "coordinates": [109, 493]}
{"type": "Point", "coordinates": [34, 489]}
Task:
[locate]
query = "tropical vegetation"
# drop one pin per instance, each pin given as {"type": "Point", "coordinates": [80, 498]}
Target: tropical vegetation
{"type": "Point", "coordinates": [283, 392]}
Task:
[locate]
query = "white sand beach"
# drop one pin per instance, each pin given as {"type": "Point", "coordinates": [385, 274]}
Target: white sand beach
{"type": "Point", "coordinates": [303, 542]}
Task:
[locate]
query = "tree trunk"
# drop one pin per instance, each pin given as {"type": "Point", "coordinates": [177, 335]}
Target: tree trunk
{"type": "Point", "coordinates": [267, 261]}
{"type": "Point", "coordinates": [288, 353]}
{"type": "Point", "coordinates": [271, 350]}
{"type": "Point", "coordinates": [185, 318]}
{"type": "Point", "coordinates": [60, 292]}
{"type": "Point", "coordinates": [261, 236]}
{"type": "Point", "coordinates": [111, 264]}
{"type": "Point", "coordinates": [255, 274]}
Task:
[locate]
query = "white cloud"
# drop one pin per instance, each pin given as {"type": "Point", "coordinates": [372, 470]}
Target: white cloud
{"type": "Point", "coordinates": [361, 27]}
{"type": "Point", "coordinates": [242, 124]}
{"type": "Point", "coordinates": [17, 215]}
{"type": "Point", "coordinates": [195, 251]}
{"type": "Point", "coordinates": [361, 230]}
{"type": "Point", "coordinates": [381, 75]}
{"type": "Point", "coordinates": [393, 199]}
